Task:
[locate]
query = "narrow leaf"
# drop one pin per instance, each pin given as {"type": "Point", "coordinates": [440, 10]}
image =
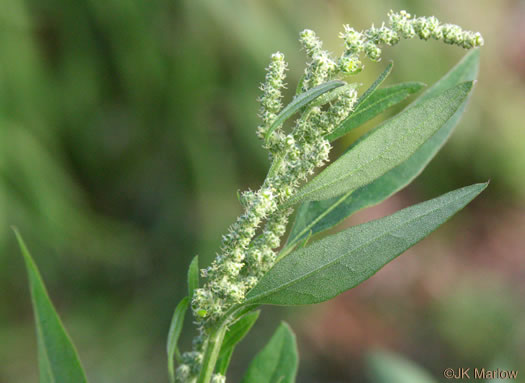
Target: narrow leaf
{"type": "Point", "coordinates": [224, 361]}
{"type": "Point", "coordinates": [377, 103]}
{"type": "Point", "coordinates": [337, 263]}
{"type": "Point", "coordinates": [277, 362]}
{"type": "Point", "coordinates": [233, 336]}
{"type": "Point", "coordinates": [465, 70]}
{"type": "Point", "coordinates": [385, 367]}
{"type": "Point", "coordinates": [315, 216]}
{"type": "Point", "coordinates": [331, 95]}
{"type": "Point", "coordinates": [301, 101]}
{"type": "Point", "coordinates": [177, 322]}
{"type": "Point", "coordinates": [385, 148]}
{"type": "Point", "coordinates": [193, 276]}
{"type": "Point", "coordinates": [57, 357]}
{"type": "Point", "coordinates": [239, 329]}
{"type": "Point", "coordinates": [379, 80]}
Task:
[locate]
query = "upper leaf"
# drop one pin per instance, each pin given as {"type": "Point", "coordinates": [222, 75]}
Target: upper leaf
{"type": "Point", "coordinates": [277, 362]}
{"type": "Point", "coordinates": [375, 104]}
{"type": "Point", "coordinates": [316, 216]}
{"type": "Point", "coordinates": [57, 357]}
{"type": "Point", "coordinates": [465, 70]}
{"type": "Point", "coordinates": [342, 261]}
{"type": "Point", "coordinates": [379, 80]}
{"type": "Point", "coordinates": [193, 276]}
{"type": "Point", "coordinates": [301, 101]}
{"type": "Point", "coordinates": [385, 148]}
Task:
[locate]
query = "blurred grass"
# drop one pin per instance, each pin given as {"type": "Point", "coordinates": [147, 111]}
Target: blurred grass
{"type": "Point", "coordinates": [126, 127]}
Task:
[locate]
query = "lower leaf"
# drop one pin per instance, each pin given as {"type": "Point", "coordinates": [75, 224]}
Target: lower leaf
{"type": "Point", "coordinates": [177, 322]}
{"type": "Point", "coordinates": [337, 263]}
{"type": "Point", "coordinates": [57, 357]}
{"type": "Point", "coordinates": [278, 360]}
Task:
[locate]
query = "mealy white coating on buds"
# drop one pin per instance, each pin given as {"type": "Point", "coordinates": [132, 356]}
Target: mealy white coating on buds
{"type": "Point", "coordinates": [321, 67]}
{"type": "Point", "coordinates": [183, 373]}
{"type": "Point", "coordinates": [248, 249]}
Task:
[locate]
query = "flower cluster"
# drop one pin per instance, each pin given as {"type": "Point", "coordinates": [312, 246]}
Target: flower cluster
{"type": "Point", "coordinates": [401, 26]}
{"type": "Point", "coordinates": [248, 250]}
{"type": "Point", "coordinates": [322, 66]}
{"type": "Point", "coordinates": [270, 101]}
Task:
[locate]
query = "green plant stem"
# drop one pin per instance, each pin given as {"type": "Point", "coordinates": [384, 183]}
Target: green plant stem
{"type": "Point", "coordinates": [285, 251]}
{"type": "Point", "coordinates": [211, 354]}
{"type": "Point", "coordinates": [213, 347]}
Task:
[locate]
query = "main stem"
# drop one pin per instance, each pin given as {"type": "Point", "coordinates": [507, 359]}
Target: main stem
{"type": "Point", "coordinates": [211, 354]}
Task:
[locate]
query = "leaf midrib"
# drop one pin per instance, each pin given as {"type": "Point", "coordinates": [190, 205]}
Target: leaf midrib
{"type": "Point", "coordinates": [321, 216]}
{"type": "Point", "coordinates": [41, 334]}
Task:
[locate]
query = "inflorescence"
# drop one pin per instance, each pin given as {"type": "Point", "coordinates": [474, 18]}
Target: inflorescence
{"type": "Point", "coordinates": [248, 249]}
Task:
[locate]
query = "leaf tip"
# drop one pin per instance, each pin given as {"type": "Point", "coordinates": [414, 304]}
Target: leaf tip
{"type": "Point", "coordinates": [16, 231]}
{"type": "Point", "coordinates": [21, 243]}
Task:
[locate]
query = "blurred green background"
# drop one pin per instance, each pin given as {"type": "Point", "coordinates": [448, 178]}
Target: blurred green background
{"type": "Point", "coordinates": [127, 126]}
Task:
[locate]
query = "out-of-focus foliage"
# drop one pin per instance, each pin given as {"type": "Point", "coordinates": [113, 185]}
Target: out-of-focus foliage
{"type": "Point", "coordinates": [126, 126]}
{"type": "Point", "coordinates": [385, 367]}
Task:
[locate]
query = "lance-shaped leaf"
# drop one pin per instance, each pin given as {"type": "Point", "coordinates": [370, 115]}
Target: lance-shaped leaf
{"type": "Point", "coordinates": [379, 80]}
{"type": "Point", "coordinates": [300, 101]}
{"type": "Point", "coordinates": [177, 322]}
{"type": "Point", "coordinates": [465, 70]}
{"type": "Point", "coordinates": [278, 360]}
{"type": "Point", "coordinates": [337, 263]}
{"type": "Point", "coordinates": [377, 103]}
{"type": "Point", "coordinates": [57, 357]}
{"type": "Point", "coordinates": [234, 335]}
{"type": "Point", "coordinates": [316, 216]}
{"type": "Point", "coordinates": [385, 148]}
{"type": "Point", "coordinates": [385, 367]}
{"type": "Point", "coordinates": [332, 95]}
{"type": "Point", "coordinates": [193, 276]}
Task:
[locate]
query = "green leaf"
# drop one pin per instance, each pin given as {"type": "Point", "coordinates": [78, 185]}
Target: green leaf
{"type": "Point", "coordinates": [316, 216]}
{"type": "Point", "coordinates": [301, 101]}
{"type": "Point", "coordinates": [337, 263]}
{"type": "Point", "coordinates": [277, 362]}
{"type": "Point", "coordinates": [193, 276]}
{"type": "Point", "coordinates": [239, 329]}
{"type": "Point", "coordinates": [385, 148]}
{"type": "Point", "coordinates": [177, 322]}
{"type": "Point", "coordinates": [331, 95]}
{"type": "Point", "coordinates": [377, 103]}
{"type": "Point", "coordinates": [57, 357]}
{"type": "Point", "coordinates": [379, 80]}
{"type": "Point", "coordinates": [234, 335]}
{"type": "Point", "coordinates": [385, 367]}
{"type": "Point", "coordinates": [465, 70]}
